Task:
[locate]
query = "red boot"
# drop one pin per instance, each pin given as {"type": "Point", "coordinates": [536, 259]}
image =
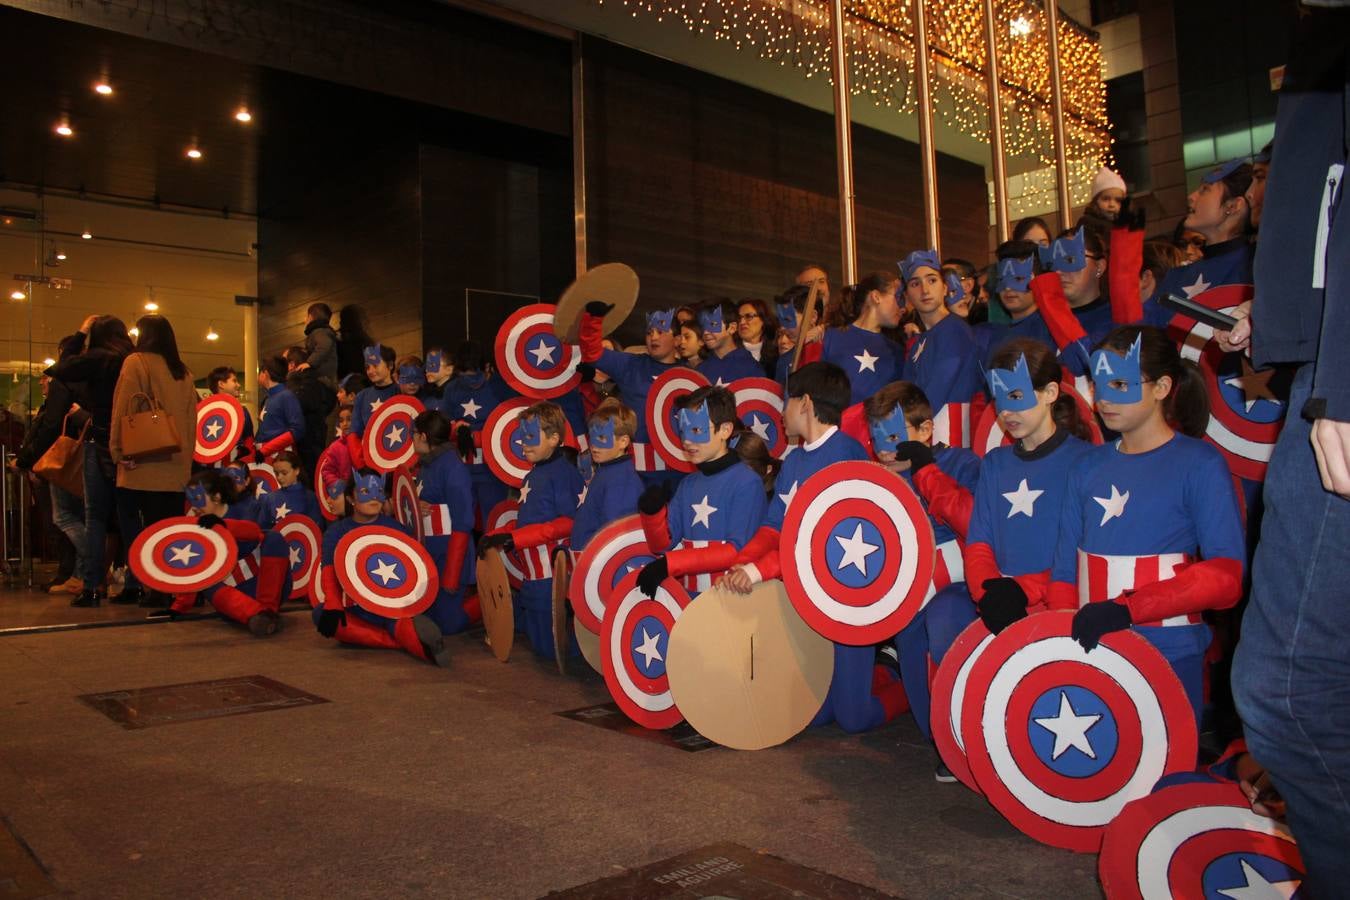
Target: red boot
{"type": "Point", "coordinates": [272, 581]}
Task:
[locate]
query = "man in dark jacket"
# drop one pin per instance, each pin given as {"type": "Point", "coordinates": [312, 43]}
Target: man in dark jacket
{"type": "Point", "coordinates": [321, 347]}
{"type": "Point", "coordinates": [317, 400]}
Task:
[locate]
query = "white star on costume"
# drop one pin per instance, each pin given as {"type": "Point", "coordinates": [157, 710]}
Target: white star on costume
{"type": "Point", "coordinates": [866, 361]}
{"type": "Point", "coordinates": [1200, 286]}
{"type": "Point", "coordinates": [1069, 729]}
{"type": "Point", "coordinates": [385, 571]}
{"type": "Point", "coordinates": [918, 351]}
{"type": "Point", "coordinates": [1257, 888]}
{"type": "Point", "coordinates": [702, 512]}
{"type": "Point", "coordinates": [262, 415]}
{"type": "Point", "coordinates": [1113, 507]}
{"type": "Point", "coordinates": [856, 551]}
{"type": "Point", "coordinates": [375, 404]}
{"type": "Point", "coordinates": [213, 430]}
{"type": "Point", "coordinates": [470, 409]}
{"type": "Point", "coordinates": [1253, 384]}
{"type": "Point", "coordinates": [760, 427]}
{"type": "Point", "coordinates": [283, 510]}
{"type": "Point", "coordinates": [394, 435]}
{"type": "Point", "coordinates": [295, 557]}
{"type": "Point", "coordinates": [787, 498]}
{"type": "Point", "coordinates": [648, 649]}
{"type": "Point", "coordinates": [1023, 500]}
{"type": "Point", "coordinates": [719, 382]}
{"type": "Point", "coordinates": [524, 492]}
{"type": "Point", "coordinates": [581, 498]}
{"type": "Point", "coordinates": [542, 353]}
{"type": "Point", "coordinates": [182, 554]}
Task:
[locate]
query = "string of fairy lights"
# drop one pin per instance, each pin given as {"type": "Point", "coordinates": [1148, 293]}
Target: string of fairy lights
{"type": "Point", "coordinates": [879, 37]}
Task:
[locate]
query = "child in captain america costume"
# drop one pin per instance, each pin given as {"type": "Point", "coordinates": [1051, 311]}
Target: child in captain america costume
{"type": "Point", "coordinates": [225, 380]}
{"type": "Point", "coordinates": [943, 361]}
{"type": "Point", "coordinates": [863, 694]}
{"type": "Point", "coordinates": [291, 497]}
{"type": "Point", "coordinates": [261, 579]}
{"type": "Point", "coordinates": [439, 369]}
{"type": "Point", "coordinates": [1016, 267]}
{"type": "Point", "coordinates": [410, 373]}
{"type": "Point", "coordinates": [634, 373]}
{"type": "Point", "coordinates": [548, 504]}
{"type": "Point", "coordinates": [341, 618]}
{"type": "Point", "coordinates": [244, 500]}
{"type": "Point", "coordinates": [445, 501]}
{"type": "Point", "coordinates": [1151, 534]}
{"type": "Point", "coordinates": [379, 361]}
{"type": "Point", "coordinates": [867, 357]}
{"type": "Point", "coordinates": [613, 489]}
{"type": "Point", "coordinates": [469, 398]}
{"type": "Point", "coordinates": [714, 512]}
{"type": "Point", "coordinates": [281, 424]}
{"type": "Point", "coordinates": [726, 360]}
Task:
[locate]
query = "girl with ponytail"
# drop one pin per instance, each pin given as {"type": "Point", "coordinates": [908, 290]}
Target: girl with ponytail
{"type": "Point", "coordinates": [857, 345]}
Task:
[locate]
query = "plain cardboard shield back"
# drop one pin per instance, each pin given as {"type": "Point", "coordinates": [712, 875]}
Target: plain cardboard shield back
{"type": "Point", "coordinates": [494, 597]}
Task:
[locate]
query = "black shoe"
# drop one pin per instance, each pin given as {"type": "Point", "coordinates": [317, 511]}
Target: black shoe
{"type": "Point", "coordinates": [165, 613]}
{"type": "Point", "coordinates": [87, 598]}
{"type": "Point", "coordinates": [889, 657]}
{"type": "Point", "coordinates": [132, 595]}
{"type": "Point", "coordinates": [433, 642]}
{"type": "Point", "coordinates": [943, 775]}
{"type": "Point", "coordinates": [262, 624]}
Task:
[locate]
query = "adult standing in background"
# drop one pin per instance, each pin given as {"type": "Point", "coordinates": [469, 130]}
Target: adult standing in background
{"type": "Point", "coordinates": [353, 339]}
{"type": "Point", "coordinates": [150, 488]}
{"type": "Point", "coordinates": [321, 345]}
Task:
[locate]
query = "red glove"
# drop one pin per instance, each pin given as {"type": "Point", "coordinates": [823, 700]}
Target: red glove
{"type": "Point", "coordinates": [454, 560]}
{"type": "Point", "coordinates": [355, 451]}
{"type": "Point", "coordinates": [542, 532]}
{"type": "Point", "coordinates": [947, 501]}
{"type": "Point", "coordinates": [590, 335]}
{"type": "Point", "coordinates": [243, 530]}
{"type": "Point", "coordinates": [1122, 275]}
{"type": "Point", "coordinates": [332, 590]}
{"type": "Point", "coordinates": [697, 560]}
{"type": "Point", "coordinates": [1209, 584]}
{"type": "Point", "coordinates": [276, 444]}
{"type": "Point", "coordinates": [980, 567]}
{"type": "Point", "coordinates": [1054, 308]}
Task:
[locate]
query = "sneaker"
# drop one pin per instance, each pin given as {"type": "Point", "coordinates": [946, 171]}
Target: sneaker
{"type": "Point", "coordinates": [433, 642]}
{"type": "Point", "coordinates": [71, 585]}
{"type": "Point", "coordinates": [87, 599]}
{"type": "Point", "coordinates": [262, 624]}
{"type": "Point", "coordinates": [943, 775]}
{"type": "Point", "coordinates": [130, 596]}
{"type": "Point", "coordinates": [119, 575]}
{"type": "Point", "coordinates": [888, 656]}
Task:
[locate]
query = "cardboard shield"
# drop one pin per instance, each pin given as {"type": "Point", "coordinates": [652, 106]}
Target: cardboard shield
{"type": "Point", "coordinates": [1197, 840]}
{"type": "Point", "coordinates": [386, 572]}
{"type": "Point", "coordinates": [264, 477]}
{"type": "Point", "coordinates": [949, 695]}
{"type": "Point", "coordinates": [613, 283]}
{"type": "Point", "coordinates": [989, 432]}
{"type": "Point", "coordinates": [220, 422]}
{"type": "Point", "coordinates": [667, 390]}
{"type": "Point", "coordinates": [1064, 738]}
{"type": "Point", "coordinates": [562, 567]}
{"type": "Point", "coordinates": [531, 359]}
{"type": "Point", "coordinates": [404, 494]}
{"type": "Point", "coordinates": [759, 405]}
{"type": "Point", "coordinates": [178, 556]}
{"type": "Point", "coordinates": [857, 550]}
{"type": "Point", "coordinates": [304, 541]}
{"type": "Point", "coordinates": [333, 509]}
{"type": "Point", "coordinates": [388, 438]}
{"type": "Point", "coordinates": [494, 598]}
{"type": "Point", "coordinates": [746, 671]}
{"type": "Point", "coordinates": [634, 644]}
{"type": "Point", "coordinates": [501, 442]}
{"type": "Point", "coordinates": [501, 516]}
{"type": "Point", "coordinates": [612, 552]}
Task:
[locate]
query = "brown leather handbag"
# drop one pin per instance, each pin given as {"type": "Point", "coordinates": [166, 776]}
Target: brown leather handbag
{"type": "Point", "coordinates": [63, 463]}
{"type": "Point", "coordinates": [149, 432]}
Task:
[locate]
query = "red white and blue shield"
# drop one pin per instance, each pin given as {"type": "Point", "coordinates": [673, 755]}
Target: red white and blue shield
{"type": "Point", "coordinates": [501, 517]}
{"type": "Point", "coordinates": [331, 509]}
{"type": "Point", "coordinates": [759, 405]}
{"type": "Point", "coordinates": [1198, 840]}
{"type": "Point", "coordinates": [611, 554]}
{"type": "Point", "coordinates": [949, 695]}
{"type": "Point", "coordinates": [989, 431]}
{"type": "Point", "coordinates": [304, 542]}
{"type": "Point", "coordinates": [178, 556]}
{"type": "Point", "coordinates": [1246, 406]}
{"type": "Point", "coordinates": [386, 572]}
{"type": "Point", "coordinates": [634, 642]}
{"type": "Point", "coordinates": [403, 489]}
{"type": "Point", "coordinates": [388, 438]}
{"type": "Point", "coordinates": [857, 552]}
{"type": "Point", "coordinates": [1064, 737]}
{"type": "Point", "coordinates": [531, 358]}
{"type": "Point", "coordinates": [220, 422]}
{"type": "Point", "coordinates": [264, 477]}
{"type": "Point", "coordinates": [666, 391]}
{"type": "Point", "coordinates": [502, 442]}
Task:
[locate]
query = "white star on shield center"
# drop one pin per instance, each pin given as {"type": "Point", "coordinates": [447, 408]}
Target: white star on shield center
{"type": "Point", "coordinates": [542, 353]}
{"type": "Point", "coordinates": [213, 429]}
{"type": "Point", "coordinates": [760, 427]}
{"type": "Point", "coordinates": [385, 571]}
{"type": "Point", "coordinates": [856, 550]}
{"type": "Point", "coordinates": [648, 649]}
{"type": "Point", "coordinates": [470, 409]}
{"type": "Point", "coordinates": [394, 436]}
{"type": "Point", "coordinates": [183, 554]}
{"type": "Point", "coordinates": [1069, 729]}
{"type": "Point", "coordinates": [1258, 888]}
{"type": "Point", "coordinates": [702, 512]}
{"type": "Point", "coordinates": [295, 556]}
{"type": "Point", "coordinates": [1113, 507]}
{"type": "Point", "coordinates": [866, 361]}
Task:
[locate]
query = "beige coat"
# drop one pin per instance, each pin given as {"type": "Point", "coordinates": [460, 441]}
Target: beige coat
{"type": "Point", "coordinates": [148, 373]}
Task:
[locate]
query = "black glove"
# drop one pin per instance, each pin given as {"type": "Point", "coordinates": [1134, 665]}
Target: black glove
{"type": "Point", "coordinates": [653, 499]}
{"type": "Point", "coordinates": [329, 620]}
{"type": "Point", "coordinates": [917, 453]}
{"type": "Point", "coordinates": [652, 574]}
{"type": "Point", "coordinates": [210, 520]}
{"type": "Point", "coordinates": [1093, 621]}
{"type": "Point", "coordinates": [1004, 603]}
{"type": "Point", "coordinates": [464, 441]}
{"type": "Point", "coordinates": [504, 542]}
{"type": "Point", "coordinates": [1130, 216]}
{"type": "Point", "coordinates": [598, 308]}
{"type": "Point", "coordinates": [586, 371]}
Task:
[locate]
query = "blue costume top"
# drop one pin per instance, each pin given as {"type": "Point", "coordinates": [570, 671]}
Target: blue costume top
{"type": "Point", "coordinates": [443, 481]}
{"type": "Point", "coordinates": [296, 499]}
{"type": "Point", "coordinates": [473, 396]}
{"type": "Point", "coordinates": [869, 359]}
{"type": "Point", "coordinates": [739, 363]}
{"type": "Point", "coordinates": [634, 374]}
{"type": "Point", "coordinates": [280, 414]}
{"type": "Point", "coordinates": [725, 506]}
{"type": "Point", "coordinates": [1095, 317]}
{"type": "Point", "coordinates": [1229, 262]}
{"type": "Point", "coordinates": [944, 363]}
{"type": "Point", "coordinates": [799, 465]}
{"type": "Point", "coordinates": [990, 336]}
{"type": "Point", "coordinates": [611, 494]}
{"type": "Point", "coordinates": [365, 404]}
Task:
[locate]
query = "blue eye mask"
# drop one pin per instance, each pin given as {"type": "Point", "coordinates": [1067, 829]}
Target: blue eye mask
{"type": "Point", "coordinates": [918, 260]}
{"type": "Point", "coordinates": [661, 320]}
{"type": "Point", "coordinates": [528, 433]}
{"type": "Point", "coordinates": [1069, 254]}
{"type": "Point", "coordinates": [1222, 171]}
{"type": "Point", "coordinates": [1003, 382]}
{"type": "Point", "coordinates": [369, 487]}
{"type": "Point", "coordinates": [433, 363]}
{"type": "Point", "coordinates": [238, 474]}
{"type": "Point", "coordinates": [711, 320]}
{"type": "Point", "coordinates": [695, 425]}
{"type": "Point", "coordinates": [955, 291]}
{"type": "Point", "coordinates": [374, 355]}
{"type": "Point", "coordinates": [1109, 366]}
{"type": "Point", "coordinates": [196, 496]}
{"type": "Point", "coordinates": [1015, 274]}
{"type": "Point", "coordinates": [890, 432]}
{"type": "Point", "coordinates": [601, 434]}
{"type": "Point", "coordinates": [787, 315]}
{"type": "Point", "coordinates": [411, 375]}
{"type": "Point", "coordinates": [336, 489]}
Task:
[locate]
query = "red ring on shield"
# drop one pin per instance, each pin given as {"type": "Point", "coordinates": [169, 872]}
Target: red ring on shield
{"type": "Point", "coordinates": [634, 641]}
{"type": "Point", "coordinates": [403, 490]}
{"type": "Point", "coordinates": [759, 405]}
{"type": "Point", "coordinates": [666, 391]}
{"type": "Point", "coordinates": [989, 433]}
{"type": "Point", "coordinates": [501, 516]}
{"type": "Point", "coordinates": [386, 572]}
{"type": "Point", "coordinates": [304, 541]}
{"type": "Point", "coordinates": [388, 438]}
{"type": "Point", "coordinates": [1060, 739]}
{"type": "Point", "coordinates": [949, 696]}
{"type": "Point", "coordinates": [264, 477]}
{"type": "Point", "coordinates": [501, 447]}
{"type": "Point", "coordinates": [220, 422]}
{"type": "Point", "coordinates": [178, 556]}
{"type": "Point", "coordinates": [331, 511]}
{"type": "Point", "coordinates": [858, 552]}
{"type": "Point", "coordinates": [1196, 840]}
{"type": "Point", "coordinates": [531, 358]}
{"type": "Point", "coordinates": [611, 554]}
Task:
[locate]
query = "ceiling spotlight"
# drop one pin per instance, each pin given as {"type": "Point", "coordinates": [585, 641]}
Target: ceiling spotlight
{"type": "Point", "coordinates": [243, 115]}
{"type": "Point", "coordinates": [134, 331]}
{"type": "Point", "coordinates": [49, 361]}
{"type": "Point", "coordinates": [61, 254]}
{"type": "Point", "coordinates": [151, 306]}
{"type": "Point", "coordinates": [194, 153]}
{"type": "Point", "coordinates": [211, 332]}
{"type": "Point", "coordinates": [86, 235]}
{"type": "Point", "coordinates": [63, 128]}
{"type": "Point", "coordinates": [17, 295]}
{"type": "Point", "coordinates": [103, 88]}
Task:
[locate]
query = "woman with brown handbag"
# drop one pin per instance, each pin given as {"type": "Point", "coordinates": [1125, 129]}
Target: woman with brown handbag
{"type": "Point", "coordinates": [154, 414]}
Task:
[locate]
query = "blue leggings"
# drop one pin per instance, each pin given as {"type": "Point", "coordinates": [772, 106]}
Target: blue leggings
{"type": "Point", "coordinates": [850, 702]}
{"type": "Point", "coordinates": [931, 635]}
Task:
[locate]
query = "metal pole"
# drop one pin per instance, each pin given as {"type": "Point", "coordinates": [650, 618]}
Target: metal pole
{"type": "Point", "coordinates": [998, 164]}
{"type": "Point", "coordinates": [927, 152]}
{"type": "Point", "coordinates": [843, 144]}
{"type": "Point", "coordinates": [1057, 114]}
{"type": "Point", "coordinates": [251, 358]}
{"type": "Point", "coordinates": [579, 153]}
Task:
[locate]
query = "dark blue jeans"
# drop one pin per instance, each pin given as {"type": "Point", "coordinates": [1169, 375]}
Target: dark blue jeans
{"type": "Point", "coordinates": [1291, 671]}
{"type": "Point", "coordinates": [100, 481]}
